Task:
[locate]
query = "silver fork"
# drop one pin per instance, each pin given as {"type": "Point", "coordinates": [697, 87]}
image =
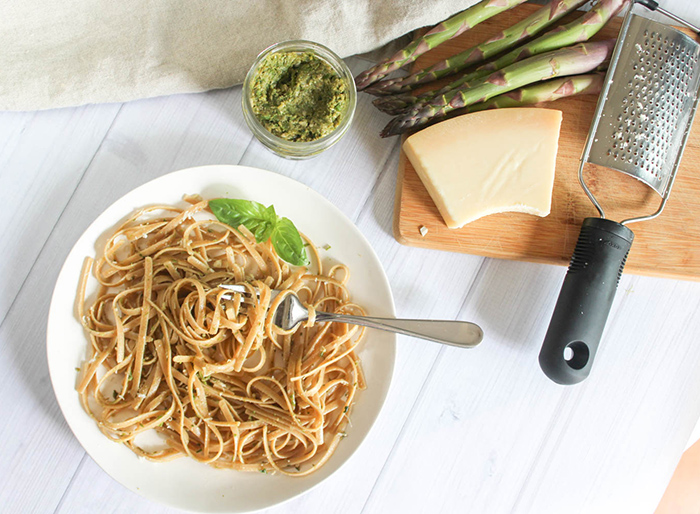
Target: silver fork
{"type": "Point", "coordinates": [291, 312]}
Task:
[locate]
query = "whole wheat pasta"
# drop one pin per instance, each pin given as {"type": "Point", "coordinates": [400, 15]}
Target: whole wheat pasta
{"type": "Point", "coordinates": [212, 375]}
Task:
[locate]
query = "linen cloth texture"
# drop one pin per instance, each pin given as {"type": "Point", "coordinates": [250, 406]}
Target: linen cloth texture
{"type": "Point", "coordinates": [58, 53]}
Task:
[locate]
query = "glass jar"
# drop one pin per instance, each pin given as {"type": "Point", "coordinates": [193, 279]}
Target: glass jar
{"type": "Point", "coordinates": [295, 149]}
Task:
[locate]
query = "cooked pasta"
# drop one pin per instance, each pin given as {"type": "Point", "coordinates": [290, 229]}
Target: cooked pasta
{"type": "Point", "coordinates": [172, 354]}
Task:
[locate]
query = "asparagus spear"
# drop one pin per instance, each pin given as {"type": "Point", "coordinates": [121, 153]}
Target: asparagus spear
{"type": "Point", "coordinates": [547, 91]}
{"type": "Point", "coordinates": [402, 103]}
{"type": "Point", "coordinates": [530, 26]}
{"type": "Point", "coordinates": [574, 60]}
{"type": "Point", "coordinates": [442, 32]}
{"type": "Point", "coordinates": [581, 29]}
{"type": "Point", "coordinates": [537, 94]}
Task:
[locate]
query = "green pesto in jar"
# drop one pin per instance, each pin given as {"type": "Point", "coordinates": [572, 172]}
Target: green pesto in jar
{"type": "Point", "coordinates": [298, 96]}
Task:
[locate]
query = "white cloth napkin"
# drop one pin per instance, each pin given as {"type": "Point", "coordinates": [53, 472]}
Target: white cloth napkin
{"type": "Point", "coordinates": [56, 53]}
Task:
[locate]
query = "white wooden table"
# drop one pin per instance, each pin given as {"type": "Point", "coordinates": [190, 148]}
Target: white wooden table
{"type": "Point", "coordinates": [462, 431]}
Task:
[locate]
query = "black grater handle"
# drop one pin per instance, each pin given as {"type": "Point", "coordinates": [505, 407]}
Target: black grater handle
{"type": "Point", "coordinates": [585, 299]}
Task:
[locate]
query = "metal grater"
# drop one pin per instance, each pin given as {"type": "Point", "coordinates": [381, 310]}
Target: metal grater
{"type": "Point", "coordinates": [646, 110]}
{"type": "Point", "coordinates": [641, 124]}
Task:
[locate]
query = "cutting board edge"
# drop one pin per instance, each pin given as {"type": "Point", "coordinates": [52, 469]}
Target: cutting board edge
{"type": "Point", "coordinates": [398, 195]}
{"type": "Point", "coordinates": [630, 270]}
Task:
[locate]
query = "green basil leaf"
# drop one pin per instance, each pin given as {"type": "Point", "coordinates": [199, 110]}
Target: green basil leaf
{"type": "Point", "coordinates": [288, 243]}
{"type": "Point", "coordinates": [254, 216]}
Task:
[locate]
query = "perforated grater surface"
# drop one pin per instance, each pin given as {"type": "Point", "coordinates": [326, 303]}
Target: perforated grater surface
{"type": "Point", "coordinates": [642, 121]}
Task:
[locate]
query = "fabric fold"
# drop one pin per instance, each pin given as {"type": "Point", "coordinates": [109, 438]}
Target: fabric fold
{"type": "Point", "coordinates": [74, 52]}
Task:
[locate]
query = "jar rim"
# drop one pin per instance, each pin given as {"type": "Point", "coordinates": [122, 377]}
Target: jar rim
{"type": "Point", "coordinates": [300, 148]}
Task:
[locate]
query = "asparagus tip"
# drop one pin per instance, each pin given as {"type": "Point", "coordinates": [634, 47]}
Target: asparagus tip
{"type": "Point", "coordinates": [361, 81]}
{"type": "Point", "coordinates": [390, 106]}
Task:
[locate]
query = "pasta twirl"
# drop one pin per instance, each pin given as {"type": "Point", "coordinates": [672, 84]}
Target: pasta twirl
{"type": "Point", "coordinates": [214, 377]}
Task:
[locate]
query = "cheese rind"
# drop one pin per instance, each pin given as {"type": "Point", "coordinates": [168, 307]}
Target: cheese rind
{"type": "Point", "coordinates": [488, 162]}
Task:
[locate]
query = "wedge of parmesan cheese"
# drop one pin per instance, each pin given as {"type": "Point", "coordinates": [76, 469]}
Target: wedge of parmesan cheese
{"type": "Point", "coordinates": [487, 162]}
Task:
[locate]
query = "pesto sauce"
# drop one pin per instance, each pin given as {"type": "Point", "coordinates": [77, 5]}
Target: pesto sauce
{"type": "Point", "coordinates": [298, 96]}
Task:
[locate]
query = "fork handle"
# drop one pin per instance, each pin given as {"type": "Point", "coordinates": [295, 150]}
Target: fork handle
{"type": "Point", "coordinates": [454, 333]}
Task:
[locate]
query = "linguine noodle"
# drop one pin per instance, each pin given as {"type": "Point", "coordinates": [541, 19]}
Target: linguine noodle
{"type": "Point", "coordinates": [213, 377]}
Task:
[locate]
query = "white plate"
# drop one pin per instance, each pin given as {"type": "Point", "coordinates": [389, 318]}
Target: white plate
{"type": "Point", "coordinates": [184, 483]}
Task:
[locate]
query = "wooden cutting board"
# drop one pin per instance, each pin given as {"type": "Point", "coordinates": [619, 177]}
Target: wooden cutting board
{"type": "Point", "coordinates": [668, 246]}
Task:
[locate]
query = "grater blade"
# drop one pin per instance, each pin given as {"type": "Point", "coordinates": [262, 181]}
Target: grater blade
{"type": "Point", "coordinates": [647, 108]}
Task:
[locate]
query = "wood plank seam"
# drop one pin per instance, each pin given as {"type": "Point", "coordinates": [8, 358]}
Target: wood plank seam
{"type": "Point", "coordinates": [554, 421]}
{"type": "Point", "coordinates": [58, 218]}
{"type": "Point", "coordinates": [375, 185]}
{"type": "Point", "coordinates": [401, 430]}
{"type": "Point", "coordinates": [426, 381]}
{"type": "Point", "coordinates": [70, 482]}
{"type": "Point", "coordinates": [245, 151]}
